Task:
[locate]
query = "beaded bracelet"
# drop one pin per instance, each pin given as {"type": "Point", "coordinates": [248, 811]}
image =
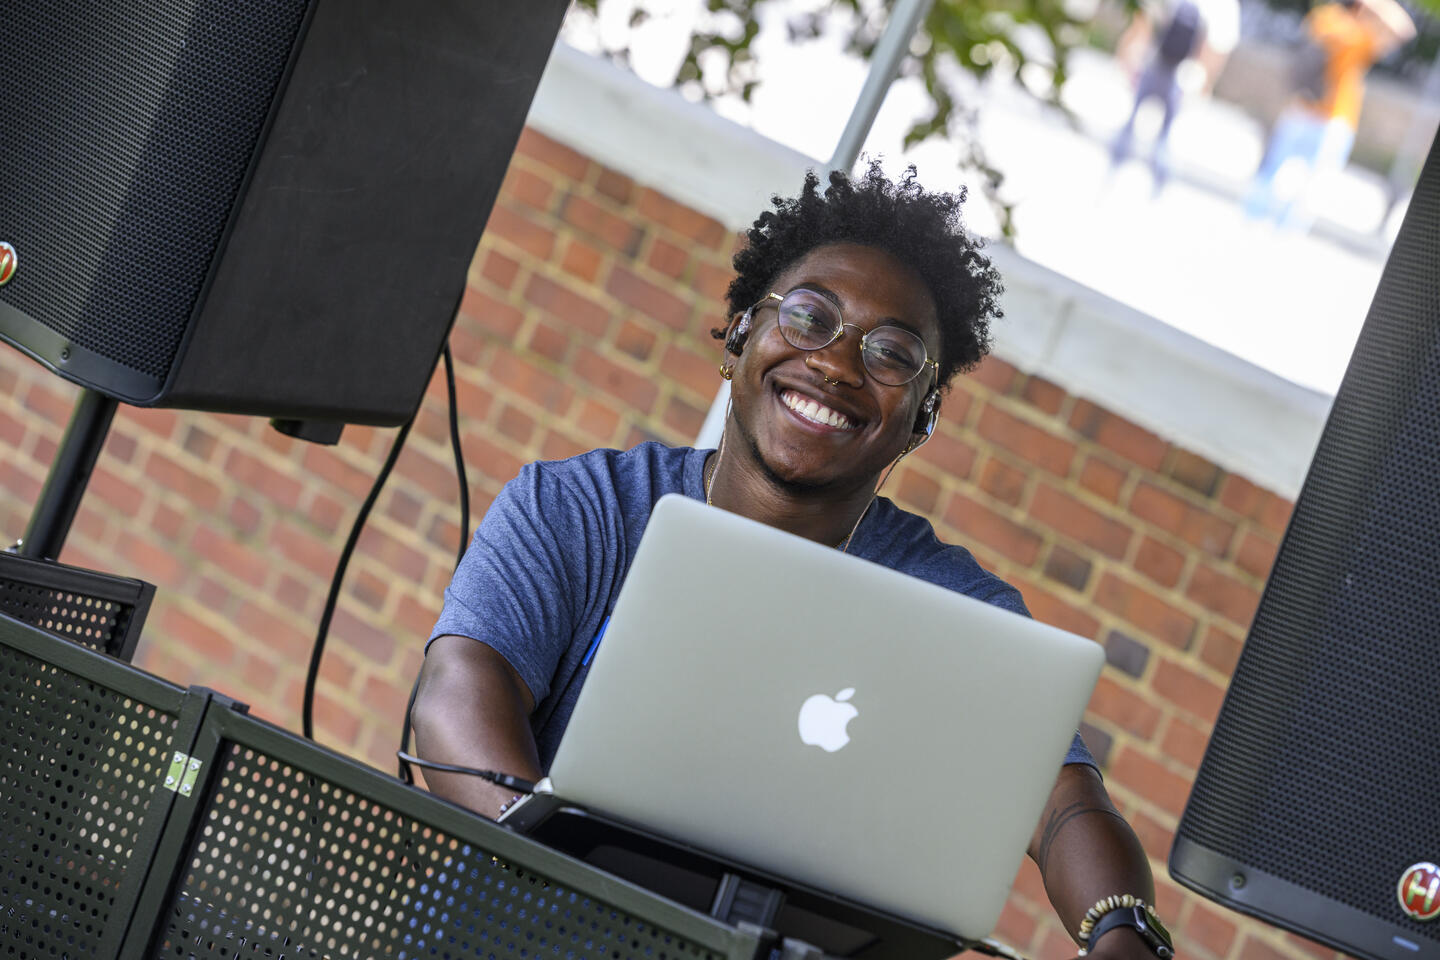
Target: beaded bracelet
{"type": "Point", "coordinates": [508, 804]}
{"type": "Point", "coordinates": [1102, 907]}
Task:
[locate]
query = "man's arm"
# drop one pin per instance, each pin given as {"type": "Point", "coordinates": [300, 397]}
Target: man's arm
{"type": "Point", "coordinates": [1388, 23]}
{"type": "Point", "coordinates": [1221, 34]}
{"type": "Point", "coordinates": [1086, 852]}
{"type": "Point", "coordinates": [1212, 62]}
{"type": "Point", "coordinates": [472, 710]}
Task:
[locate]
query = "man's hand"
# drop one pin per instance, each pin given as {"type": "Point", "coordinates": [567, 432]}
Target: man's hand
{"type": "Point", "coordinates": [473, 710]}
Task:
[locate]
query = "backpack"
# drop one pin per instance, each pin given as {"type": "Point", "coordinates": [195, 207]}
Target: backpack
{"type": "Point", "coordinates": [1182, 34]}
{"type": "Point", "coordinates": [1307, 70]}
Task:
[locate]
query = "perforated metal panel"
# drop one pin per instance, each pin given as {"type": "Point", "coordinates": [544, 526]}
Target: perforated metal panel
{"type": "Point", "coordinates": [79, 767]}
{"type": "Point", "coordinates": [100, 611]}
{"type": "Point", "coordinates": [289, 865]}
{"type": "Point", "coordinates": [1324, 765]}
{"type": "Point", "coordinates": [140, 120]}
{"type": "Point", "coordinates": [85, 619]}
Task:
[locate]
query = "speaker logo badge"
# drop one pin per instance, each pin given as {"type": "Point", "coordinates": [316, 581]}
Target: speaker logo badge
{"type": "Point", "coordinates": [8, 260]}
{"type": "Point", "coordinates": [1419, 891]}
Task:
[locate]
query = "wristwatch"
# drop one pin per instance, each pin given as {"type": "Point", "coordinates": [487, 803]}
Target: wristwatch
{"type": "Point", "coordinates": [1145, 923]}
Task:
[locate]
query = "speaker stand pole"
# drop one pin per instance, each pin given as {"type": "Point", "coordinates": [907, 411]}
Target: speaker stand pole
{"type": "Point", "coordinates": [69, 474]}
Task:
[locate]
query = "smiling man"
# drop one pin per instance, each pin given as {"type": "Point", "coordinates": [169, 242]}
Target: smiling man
{"type": "Point", "coordinates": [851, 311]}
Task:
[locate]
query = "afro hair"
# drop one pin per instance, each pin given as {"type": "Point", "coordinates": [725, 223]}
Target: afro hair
{"type": "Point", "coordinates": [917, 227]}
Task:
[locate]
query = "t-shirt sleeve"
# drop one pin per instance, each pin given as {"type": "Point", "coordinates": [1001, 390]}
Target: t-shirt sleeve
{"type": "Point", "coordinates": [1079, 753]}
{"type": "Point", "coordinates": [1222, 25]}
{"type": "Point", "coordinates": [514, 588]}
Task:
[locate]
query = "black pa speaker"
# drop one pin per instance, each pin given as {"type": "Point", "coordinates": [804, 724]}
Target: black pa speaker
{"type": "Point", "coordinates": [1315, 807]}
{"type": "Point", "coordinates": [257, 206]}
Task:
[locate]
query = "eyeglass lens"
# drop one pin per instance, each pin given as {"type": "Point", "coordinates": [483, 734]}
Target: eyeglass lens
{"type": "Point", "coordinates": [891, 354]}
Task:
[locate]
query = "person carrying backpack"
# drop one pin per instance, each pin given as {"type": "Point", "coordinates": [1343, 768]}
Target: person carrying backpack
{"type": "Point", "coordinates": [1341, 41]}
{"type": "Point", "coordinates": [1183, 37]}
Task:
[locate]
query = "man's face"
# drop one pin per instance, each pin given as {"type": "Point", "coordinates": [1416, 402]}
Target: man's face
{"type": "Point", "coordinates": [857, 425]}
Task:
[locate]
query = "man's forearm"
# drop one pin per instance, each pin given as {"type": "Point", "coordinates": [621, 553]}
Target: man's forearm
{"type": "Point", "coordinates": [1393, 22]}
{"type": "Point", "coordinates": [1085, 849]}
{"type": "Point", "coordinates": [469, 712]}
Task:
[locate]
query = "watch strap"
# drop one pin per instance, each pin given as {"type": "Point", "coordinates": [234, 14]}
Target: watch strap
{"type": "Point", "coordinates": [1145, 923]}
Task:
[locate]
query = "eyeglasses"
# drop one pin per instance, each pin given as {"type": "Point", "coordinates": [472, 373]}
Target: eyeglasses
{"type": "Point", "coordinates": [892, 355]}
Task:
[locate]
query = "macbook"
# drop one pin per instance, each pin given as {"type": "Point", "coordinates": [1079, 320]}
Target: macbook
{"type": "Point", "coordinates": [824, 718]}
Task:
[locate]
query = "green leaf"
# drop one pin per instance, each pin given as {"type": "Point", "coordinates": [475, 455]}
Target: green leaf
{"type": "Point", "coordinates": [973, 35]}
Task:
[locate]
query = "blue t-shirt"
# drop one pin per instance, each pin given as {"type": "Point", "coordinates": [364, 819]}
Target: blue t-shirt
{"type": "Point", "coordinates": [542, 573]}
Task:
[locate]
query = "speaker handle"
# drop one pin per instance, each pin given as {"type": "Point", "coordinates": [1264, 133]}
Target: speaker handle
{"type": "Point", "coordinates": [326, 432]}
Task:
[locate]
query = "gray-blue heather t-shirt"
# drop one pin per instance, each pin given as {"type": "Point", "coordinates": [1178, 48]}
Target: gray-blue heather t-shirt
{"type": "Point", "coordinates": [543, 570]}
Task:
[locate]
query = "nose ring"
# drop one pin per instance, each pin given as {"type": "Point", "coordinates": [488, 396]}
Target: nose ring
{"type": "Point", "coordinates": [833, 383]}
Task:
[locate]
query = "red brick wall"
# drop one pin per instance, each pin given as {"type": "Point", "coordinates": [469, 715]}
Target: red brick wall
{"type": "Point", "coordinates": [587, 323]}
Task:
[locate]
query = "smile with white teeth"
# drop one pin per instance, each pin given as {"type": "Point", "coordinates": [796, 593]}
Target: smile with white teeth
{"type": "Point", "coordinates": [815, 412]}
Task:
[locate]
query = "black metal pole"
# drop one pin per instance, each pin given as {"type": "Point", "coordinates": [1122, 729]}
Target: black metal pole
{"type": "Point", "coordinates": [69, 474]}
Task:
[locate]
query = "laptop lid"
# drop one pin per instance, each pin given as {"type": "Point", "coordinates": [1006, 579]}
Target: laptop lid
{"type": "Point", "coordinates": [824, 718]}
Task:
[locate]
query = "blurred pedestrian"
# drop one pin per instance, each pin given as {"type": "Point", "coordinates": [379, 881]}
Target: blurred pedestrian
{"type": "Point", "coordinates": [1343, 39]}
{"type": "Point", "coordinates": [1182, 45]}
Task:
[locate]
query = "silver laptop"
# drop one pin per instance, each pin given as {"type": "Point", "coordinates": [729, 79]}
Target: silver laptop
{"type": "Point", "coordinates": [824, 718]}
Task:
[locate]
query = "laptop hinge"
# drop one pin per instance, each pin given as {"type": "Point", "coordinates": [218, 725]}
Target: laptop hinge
{"type": "Point", "coordinates": [743, 901]}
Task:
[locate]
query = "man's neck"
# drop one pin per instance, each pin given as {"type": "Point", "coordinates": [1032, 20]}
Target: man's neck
{"type": "Point", "coordinates": [821, 514]}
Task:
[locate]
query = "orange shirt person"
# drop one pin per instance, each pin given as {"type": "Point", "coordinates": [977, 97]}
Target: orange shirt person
{"type": "Point", "coordinates": [1319, 131]}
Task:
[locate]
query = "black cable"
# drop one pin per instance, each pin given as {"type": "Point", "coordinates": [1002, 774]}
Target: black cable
{"type": "Point", "coordinates": [307, 713]}
{"type": "Point", "coordinates": [459, 456]}
{"type": "Point", "coordinates": [508, 781]}
{"type": "Point", "coordinates": [405, 773]}
{"type": "Point", "coordinates": [317, 652]}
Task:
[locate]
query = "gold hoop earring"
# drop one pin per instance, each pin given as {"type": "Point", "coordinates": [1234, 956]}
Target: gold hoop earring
{"type": "Point", "coordinates": [726, 371]}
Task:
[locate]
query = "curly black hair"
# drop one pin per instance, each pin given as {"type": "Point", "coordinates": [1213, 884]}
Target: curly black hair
{"type": "Point", "coordinates": [917, 227]}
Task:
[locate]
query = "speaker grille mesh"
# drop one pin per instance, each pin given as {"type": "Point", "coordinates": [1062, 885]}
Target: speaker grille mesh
{"type": "Point", "coordinates": [1324, 766]}
{"type": "Point", "coordinates": [289, 865]}
{"type": "Point", "coordinates": [142, 118]}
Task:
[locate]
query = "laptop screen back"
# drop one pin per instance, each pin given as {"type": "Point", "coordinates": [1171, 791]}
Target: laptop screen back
{"type": "Point", "coordinates": [824, 718]}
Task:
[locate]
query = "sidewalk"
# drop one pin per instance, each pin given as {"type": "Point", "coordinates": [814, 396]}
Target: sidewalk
{"type": "Point", "coordinates": [1218, 147]}
{"type": "Point", "coordinates": [1291, 303]}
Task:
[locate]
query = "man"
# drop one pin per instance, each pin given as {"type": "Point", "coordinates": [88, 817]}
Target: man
{"type": "Point", "coordinates": [1185, 44]}
{"type": "Point", "coordinates": [850, 312]}
{"type": "Point", "coordinates": [1318, 127]}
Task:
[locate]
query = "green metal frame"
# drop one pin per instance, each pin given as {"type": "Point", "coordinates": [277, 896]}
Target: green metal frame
{"type": "Point", "coordinates": [208, 727]}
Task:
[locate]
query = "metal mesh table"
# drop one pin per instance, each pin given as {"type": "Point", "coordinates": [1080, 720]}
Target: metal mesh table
{"type": "Point", "coordinates": [143, 820]}
{"type": "Point", "coordinates": [83, 742]}
{"type": "Point", "coordinates": [298, 852]}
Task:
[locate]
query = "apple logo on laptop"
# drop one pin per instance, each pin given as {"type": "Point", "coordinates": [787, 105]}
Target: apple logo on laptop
{"type": "Point", "coordinates": [823, 720]}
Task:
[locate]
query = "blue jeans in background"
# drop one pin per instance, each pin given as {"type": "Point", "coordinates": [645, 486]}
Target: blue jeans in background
{"type": "Point", "coordinates": [1321, 144]}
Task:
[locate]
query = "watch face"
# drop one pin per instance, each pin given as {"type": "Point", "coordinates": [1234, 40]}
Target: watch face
{"type": "Point", "coordinates": [1156, 935]}
{"type": "Point", "coordinates": [1157, 926]}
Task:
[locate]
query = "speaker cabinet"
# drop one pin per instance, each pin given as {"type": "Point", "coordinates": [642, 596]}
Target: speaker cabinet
{"type": "Point", "coordinates": [256, 206]}
{"type": "Point", "coordinates": [1315, 807]}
